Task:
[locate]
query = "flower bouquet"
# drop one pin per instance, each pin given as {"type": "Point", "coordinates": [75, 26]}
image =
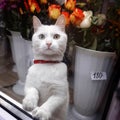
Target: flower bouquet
{"type": "Point", "coordinates": [84, 20]}
{"type": "Point", "coordinates": [86, 25]}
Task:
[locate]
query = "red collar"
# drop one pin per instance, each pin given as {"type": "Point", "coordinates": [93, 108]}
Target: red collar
{"type": "Point", "coordinates": [44, 61]}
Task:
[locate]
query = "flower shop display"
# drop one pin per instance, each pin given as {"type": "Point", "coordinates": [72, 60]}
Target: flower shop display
{"type": "Point", "coordinates": [83, 20]}
{"type": "Point", "coordinates": [93, 68]}
{"type": "Point", "coordinates": [89, 31]}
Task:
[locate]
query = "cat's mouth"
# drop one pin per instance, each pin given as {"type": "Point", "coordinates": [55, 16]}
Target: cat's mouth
{"type": "Point", "coordinates": [49, 51]}
{"type": "Point", "coordinates": [48, 48]}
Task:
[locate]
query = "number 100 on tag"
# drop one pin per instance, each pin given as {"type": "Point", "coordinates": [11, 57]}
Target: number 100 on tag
{"type": "Point", "coordinates": [98, 76]}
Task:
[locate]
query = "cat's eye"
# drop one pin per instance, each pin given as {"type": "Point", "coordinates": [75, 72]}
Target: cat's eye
{"type": "Point", "coordinates": [56, 36]}
{"type": "Point", "coordinates": [41, 36]}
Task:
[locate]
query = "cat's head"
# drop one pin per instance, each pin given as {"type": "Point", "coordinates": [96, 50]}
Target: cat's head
{"type": "Point", "coordinates": [49, 41]}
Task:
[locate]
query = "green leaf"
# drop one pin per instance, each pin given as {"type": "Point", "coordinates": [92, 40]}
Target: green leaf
{"type": "Point", "coordinates": [94, 45]}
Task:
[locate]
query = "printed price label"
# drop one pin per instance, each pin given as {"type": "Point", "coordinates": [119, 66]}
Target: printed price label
{"type": "Point", "coordinates": [98, 76]}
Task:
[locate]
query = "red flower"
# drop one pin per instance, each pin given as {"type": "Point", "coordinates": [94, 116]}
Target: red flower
{"type": "Point", "coordinates": [26, 5]}
{"type": "Point", "coordinates": [67, 17]}
{"type": "Point", "coordinates": [33, 6]}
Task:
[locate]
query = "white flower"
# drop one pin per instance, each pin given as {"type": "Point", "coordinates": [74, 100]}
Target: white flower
{"type": "Point", "coordinates": [86, 23]}
{"type": "Point", "coordinates": [101, 19]}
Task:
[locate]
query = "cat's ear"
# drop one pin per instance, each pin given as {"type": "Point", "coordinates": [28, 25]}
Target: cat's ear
{"type": "Point", "coordinates": [36, 23]}
{"type": "Point", "coordinates": [61, 22]}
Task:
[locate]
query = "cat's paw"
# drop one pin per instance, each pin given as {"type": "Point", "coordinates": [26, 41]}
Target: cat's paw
{"type": "Point", "coordinates": [41, 114]}
{"type": "Point", "coordinates": [28, 104]}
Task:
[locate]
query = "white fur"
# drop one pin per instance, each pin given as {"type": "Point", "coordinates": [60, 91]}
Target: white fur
{"type": "Point", "coordinates": [46, 88]}
{"type": "Point", "coordinates": [58, 47]}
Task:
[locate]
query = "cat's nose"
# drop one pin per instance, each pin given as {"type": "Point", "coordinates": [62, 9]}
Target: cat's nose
{"type": "Point", "coordinates": [48, 44]}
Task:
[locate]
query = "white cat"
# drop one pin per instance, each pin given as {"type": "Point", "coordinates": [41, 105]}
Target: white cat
{"type": "Point", "coordinates": [46, 88]}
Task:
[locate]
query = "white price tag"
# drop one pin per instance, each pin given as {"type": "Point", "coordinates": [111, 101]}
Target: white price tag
{"type": "Point", "coordinates": [98, 76]}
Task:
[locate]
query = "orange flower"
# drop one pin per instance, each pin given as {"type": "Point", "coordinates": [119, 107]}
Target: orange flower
{"type": "Point", "coordinates": [34, 6]}
{"type": "Point", "coordinates": [77, 16]}
{"type": "Point", "coordinates": [54, 11]}
{"type": "Point", "coordinates": [70, 4]}
{"type": "Point", "coordinates": [43, 1]}
{"type": "Point", "coordinates": [29, 2]}
{"type": "Point", "coordinates": [21, 11]}
{"type": "Point", "coordinates": [67, 17]}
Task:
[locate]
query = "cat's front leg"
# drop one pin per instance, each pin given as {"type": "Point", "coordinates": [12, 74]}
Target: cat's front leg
{"type": "Point", "coordinates": [41, 113]}
{"type": "Point", "coordinates": [45, 111]}
{"type": "Point", "coordinates": [31, 99]}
